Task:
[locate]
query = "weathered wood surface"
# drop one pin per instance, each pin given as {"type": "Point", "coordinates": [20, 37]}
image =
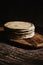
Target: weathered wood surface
{"type": "Point", "coordinates": [36, 41]}
{"type": "Point", "coordinates": [18, 56]}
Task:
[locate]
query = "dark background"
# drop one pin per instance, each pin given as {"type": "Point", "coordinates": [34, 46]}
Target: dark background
{"type": "Point", "coordinates": [22, 10]}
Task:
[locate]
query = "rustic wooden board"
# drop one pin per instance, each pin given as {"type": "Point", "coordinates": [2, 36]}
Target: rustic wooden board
{"type": "Point", "coordinates": [36, 41]}
{"type": "Point", "coordinates": [15, 55]}
{"type": "Point", "coordinates": [18, 56]}
{"type": "Point", "coordinates": [1, 29]}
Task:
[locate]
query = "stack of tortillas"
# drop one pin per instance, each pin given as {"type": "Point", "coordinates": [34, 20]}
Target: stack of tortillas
{"type": "Point", "coordinates": [23, 33]}
{"type": "Point", "coordinates": [20, 29]}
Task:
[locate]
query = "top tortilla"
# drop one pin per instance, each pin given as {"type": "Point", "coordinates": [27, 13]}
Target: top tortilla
{"type": "Point", "coordinates": [18, 25]}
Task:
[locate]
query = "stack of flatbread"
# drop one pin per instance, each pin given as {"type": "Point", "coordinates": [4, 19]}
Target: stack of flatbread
{"type": "Point", "coordinates": [20, 29]}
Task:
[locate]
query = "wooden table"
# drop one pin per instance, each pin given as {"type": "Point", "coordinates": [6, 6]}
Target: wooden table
{"type": "Point", "coordinates": [18, 55]}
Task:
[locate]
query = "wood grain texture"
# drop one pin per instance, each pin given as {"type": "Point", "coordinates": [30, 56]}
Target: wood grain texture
{"type": "Point", "coordinates": [18, 56]}
{"type": "Point", "coordinates": [36, 41]}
